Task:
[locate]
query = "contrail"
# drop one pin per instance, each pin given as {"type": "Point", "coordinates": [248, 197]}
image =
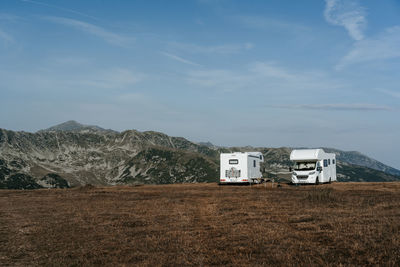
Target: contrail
{"type": "Point", "coordinates": [60, 8]}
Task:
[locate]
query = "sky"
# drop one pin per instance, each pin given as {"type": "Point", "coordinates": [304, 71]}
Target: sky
{"type": "Point", "coordinates": [271, 73]}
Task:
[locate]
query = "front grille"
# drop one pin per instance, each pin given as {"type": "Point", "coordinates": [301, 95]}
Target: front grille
{"type": "Point", "coordinates": [302, 176]}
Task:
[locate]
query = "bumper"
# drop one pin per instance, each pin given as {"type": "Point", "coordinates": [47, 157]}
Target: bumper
{"type": "Point", "coordinates": [309, 180]}
{"type": "Point", "coordinates": [233, 180]}
{"type": "Point", "coordinates": [240, 180]}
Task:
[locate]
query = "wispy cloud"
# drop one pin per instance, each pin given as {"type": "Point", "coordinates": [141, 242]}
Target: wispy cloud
{"type": "Point", "coordinates": [117, 78]}
{"type": "Point", "coordinates": [68, 61]}
{"type": "Point", "coordinates": [49, 78]}
{"type": "Point", "coordinates": [7, 38]}
{"type": "Point", "coordinates": [272, 70]}
{"type": "Point", "coordinates": [336, 106]}
{"type": "Point", "coordinates": [264, 23]}
{"type": "Point", "coordinates": [9, 17]}
{"type": "Point", "coordinates": [108, 36]}
{"type": "Point", "coordinates": [261, 75]}
{"type": "Point", "coordinates": [179, 59]}
{"type": "Point", "coordinates": [218, 49]}
{"type": "Point", "coordinates": [390, 93]}
{"type": "Point", "coordinates": [347, 13]}
{"type": "Point", "coordinates": [219, 79]}
{"type": "Point", "coordinates": [59, 8]}
{"type": "Point", "coordinates": [211, 2]}
{"type": "Point", "coordinates": [384, 46]}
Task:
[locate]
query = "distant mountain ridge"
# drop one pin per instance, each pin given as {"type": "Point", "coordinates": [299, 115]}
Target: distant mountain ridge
{"type": "Point", "coordinates": [355, 157]}
{"type": "Point", "coordinates": [74, 126]}
{"type": "Point", "coordinates": [72, 154]}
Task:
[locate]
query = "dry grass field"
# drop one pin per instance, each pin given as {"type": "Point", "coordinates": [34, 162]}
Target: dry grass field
{"type": "Point", "coordinates": [202, 224]}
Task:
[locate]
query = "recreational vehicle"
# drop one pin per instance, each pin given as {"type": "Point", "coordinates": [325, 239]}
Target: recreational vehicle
{"type": "Point", "coordinates": [313, 166]}
{"type": "Point", "coordinates": [240, 167]}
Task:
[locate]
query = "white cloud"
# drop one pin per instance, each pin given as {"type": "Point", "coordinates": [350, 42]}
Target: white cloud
{"type": "Point", "coordinates": [108, 36]}
{"type": "Point", "coordinates": [347, 13]}
{"type": "Point", "coordinates": [338, 106]}
{"type": "Point", "coordinates": [272, 70]}
{"type": "Point", "coordinates": [219, 49]}
{"type": "Point", "coordinates": [385, 46]}
{"type": "Point", "coordinates": [179, 59]}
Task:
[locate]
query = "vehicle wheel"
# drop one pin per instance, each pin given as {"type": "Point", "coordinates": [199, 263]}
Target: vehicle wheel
{"type": "Point", "coordinates": [330, 180]}
{"type": "Point", "coordinates": [316, 180]}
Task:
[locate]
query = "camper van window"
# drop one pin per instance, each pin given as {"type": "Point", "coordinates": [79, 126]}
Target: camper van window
{"type": "Point", "coordinates": [254, 163]}
{"type": "Point", "coordinates": [333, 161]}
{"type": "Point", "coordinates": [325, 163]}
{"type": "Point", "coordinates": [233, 161]}
{"type": "Point", "coordinates": [329, 161]}
{"type": "Point", "coordinates": [304, 166]}
{"type": "Point", "coordinates": [261, 157]}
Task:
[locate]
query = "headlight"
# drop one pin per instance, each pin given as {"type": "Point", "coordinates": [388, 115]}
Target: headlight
{"type": "Point", "coordinates": [294, 173]}
{"type": "Point", "coordinates": [311, 173]}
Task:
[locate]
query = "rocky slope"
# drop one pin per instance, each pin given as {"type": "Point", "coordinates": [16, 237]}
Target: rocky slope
{"type": "Point", "coordinates": [101, 158]}
{"type": "Point", "coordinates": [356, 158]}
{"type": "Point", "coordinates": [73, 154]}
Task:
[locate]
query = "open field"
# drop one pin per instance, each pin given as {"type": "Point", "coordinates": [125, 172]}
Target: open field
{"type": "Point", "coordinates": [202, 224]}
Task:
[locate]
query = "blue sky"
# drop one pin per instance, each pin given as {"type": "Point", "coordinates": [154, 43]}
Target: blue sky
{"type": "Point", "coordinates": [261, 73]}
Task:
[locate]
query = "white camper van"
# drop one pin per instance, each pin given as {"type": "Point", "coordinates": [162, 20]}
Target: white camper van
{"type": "Point", "coordinates": [240, 167]}
{"type": "Point", "coordinates": [313, 166]}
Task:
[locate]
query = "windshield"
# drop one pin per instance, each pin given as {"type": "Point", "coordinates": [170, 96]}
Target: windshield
{"type": "Point", "coordinates": [304, 166]}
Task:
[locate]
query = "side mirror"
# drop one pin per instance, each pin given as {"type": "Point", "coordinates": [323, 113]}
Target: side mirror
{"type": "Point", "coordinates": [319, 168]}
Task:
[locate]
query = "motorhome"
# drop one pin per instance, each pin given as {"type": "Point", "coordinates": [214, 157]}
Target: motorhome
{"type": "Point", "coordinates": [240, 167]}
{"type": "Point", "coordinates": [313, 166]}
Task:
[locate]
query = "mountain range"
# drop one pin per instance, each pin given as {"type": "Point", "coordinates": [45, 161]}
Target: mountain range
{"type": "Point", "coordinates": [73, 154]}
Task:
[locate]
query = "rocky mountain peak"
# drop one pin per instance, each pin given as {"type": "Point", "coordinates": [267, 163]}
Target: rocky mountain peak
{"type": "Point", "coordinates": [74, 126]}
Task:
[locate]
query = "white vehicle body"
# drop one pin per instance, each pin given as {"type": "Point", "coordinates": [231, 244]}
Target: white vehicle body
{"type": "Point", "coordinates": [240, 167]}
{"type": "Point", "coordinates": [313, 166]}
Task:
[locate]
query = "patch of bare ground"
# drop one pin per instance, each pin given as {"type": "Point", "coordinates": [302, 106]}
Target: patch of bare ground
{"type": "Point", "coordinates": [202, 224]}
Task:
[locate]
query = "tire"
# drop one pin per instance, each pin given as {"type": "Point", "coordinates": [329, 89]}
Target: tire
{"type": "Point", "coordinates": [330, 180]}
{"type": "Point", "coordinates": [316, 181]}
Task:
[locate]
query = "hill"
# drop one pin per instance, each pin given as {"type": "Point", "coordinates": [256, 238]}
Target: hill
{"type": "Point", "coordinates": [74, 126]}
{"type": "Point", "coordinates": [71, 154]}
{"type": "Point", "coordinates": [356, 158]}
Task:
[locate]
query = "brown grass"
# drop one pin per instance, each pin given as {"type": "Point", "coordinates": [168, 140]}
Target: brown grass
{"type": "Point", "coordinates": [202, 224]}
